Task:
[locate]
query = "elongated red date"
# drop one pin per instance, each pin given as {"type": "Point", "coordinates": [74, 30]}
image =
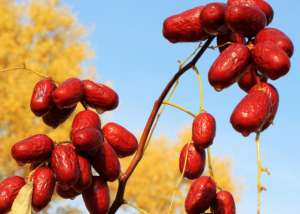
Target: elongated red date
{"type": "Point", "coordinates": [96, 197]}
{"type": "Point", "coordinates": [271, 60]}
{"type": "Point", "coordinates": [41, 100]}
{"type": "Point", "coordinates": [200, 196]}
{"type": "Point", "coordinates": [57, 116]}
{"type": "Point", "coordinates": [192, 161]}
{"type": "Point", "coordinates": [66, 191]}
{"type": "Point", "coordinates": [123, 142]}
{"type": "Point", "coordinates": [43, 187]}
{"type": "Point", "coordinates": [228, 66]}
{"type": "Point", "coordinates": [224, 39]}
{"type": "Point", "coordinates": [185, 27]}
{"type": "Point", "coordinates": [249, 78]}
{"type": "Point", "coordinates": [85, 119]}
{"type": "Point", "coordinates": [33, 149]}
{"type": "Point", "coordinates": [223, 203]}
{"type": "Point", "coordinates": [99, 96]}
{"type": "Point", "coordinates": [85, 178]}
{"type": "Point", "coordinates": [9, 189]}
{"type": "Point", "coordinates": [68, 93]}
{"type": "Point", "coordinates": [64, 162]}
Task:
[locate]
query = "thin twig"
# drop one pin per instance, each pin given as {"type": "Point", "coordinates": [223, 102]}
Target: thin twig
{"type": "Point", "coordinates": [179, 108]}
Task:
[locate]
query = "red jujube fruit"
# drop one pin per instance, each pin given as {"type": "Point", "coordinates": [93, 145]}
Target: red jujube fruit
{"type": "Point", "coordinates": [213, 18]}
{"type": "Point", "coordinates": [85, 119]}
{"type": "Point", "coordinates": [223, 203]}
{"type": "Point", "coordinates": [251, 113]}
{"type": "Point", "coordinates": [41, 99]}
{"type": "Point", "coordinates": [228, 66]}
{"type": "Point", "coordinates": [43, 187]}
{"type": "Point", "coordinates": [64, 162]}
{"type": "Point", "coordinates": [204, 130]}
{"type": "Point", "coordinates": [96, 197]}
{"type": "Point", "coordinates": [99, 96]}
{"type": "Point", "coordinates": [192, 159]}
{"type": "Point", "coordinates": [185, 27]}
{"type": "Point", "coordinates": [271, 60]}
{"type": "Point", "coordinates": [200, 196]}
{"type": "Point", "coordinates": [66, 191]}
{"type": "Point", "coordinates": [228, 37]}
{"type": "Point", "coordinates": [106, 162]}
{"type": "Point", "coordinates": [249, 78]}
{"type": "Point", "coordinates": [277, 37]}
{"type": "Point", "coordinates": [85, 178]}
{"type": "Point", "coordinates": [246, 20]}
{"type": "Point", "coordinates": [123, 142]}
{"type": "Point", "coordinates": [68, 93]}
{"type": "Point", "coordinates": [32, 149]}
{"type": "Point", "coordinates": [9, 189]}
{"type": "Point", "coordinates": [57, 116]}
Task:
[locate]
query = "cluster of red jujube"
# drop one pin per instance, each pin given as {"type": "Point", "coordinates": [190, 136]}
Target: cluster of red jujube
{"type": "Point", "coordinates": [67, 167]}
{"type": "Point", "coordinates": [250, 54]}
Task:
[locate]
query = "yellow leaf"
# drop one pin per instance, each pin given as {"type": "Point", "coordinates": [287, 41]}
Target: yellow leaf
{"type": "Point", "coordinates": [22, 203]}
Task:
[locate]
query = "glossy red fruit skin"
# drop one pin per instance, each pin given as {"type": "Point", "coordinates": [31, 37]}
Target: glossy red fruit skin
{"type": "Point", "coordinates": [277, 37]}
{"type": "Point", "coordinates": [57, 116]}
{"type": "Point", "coordinates": [9, 189]}
{"type": "Point", "coordinates": [272, 92]}
{"type": "Point", "coordinates": [68, 93]}
{"type": "Point", "coordinates": [195, 161]}
{"type": "Point", "coordinates": [204, 130]}
{"type": "Point", "coordinates": [88, 140]}
{"type": "Point", "coordinates": [41, 99]}
{"type": "Point", "coordinates": [223, 203]}
{"type": "Point", "coordinates": [96, 197]}
{"type": "Point", "coordinates": [106, 162]}
{"type": "Point", "coordinates": [228, 66]}
{"type": "Point", "coordinates": [64, 162]}
{"type": "Point", "coordinates": [200, 196]}
{"type": "Point", "coordinates": [32, 149]}
{"type": "Point", "coordinates": [213, 18]}
{"type": "Point", "coordinates": [245, 20]}
{"type": "Point", "coordinates": [85, 178]}
{"type": "Point", "coordinates": [185, 27]}
{"type": "Point", "coordinates": [229, 36]}
{"type": "Point", "coordinates": [249, 78]}
{"type": "Point", "coordinates": [261, 4]}
{"type": "Point", "coordinates": [251, 113]}
{"type": "Point", "coordinates": [43, 187]}
{"type": "Point", "coordinates": [271, 60]}
{"type": "Point", "coordinates": [66, 191]}
{"type": "Point", "coordinates": [123, 142]}
{"type": "Point", "coordinates": [85, 119]}
{"type": "Point", "coordinates": [99, 96]}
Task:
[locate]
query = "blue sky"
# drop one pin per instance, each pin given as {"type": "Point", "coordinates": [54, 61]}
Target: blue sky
{"type": "Point", "coordinates": [133, 55]}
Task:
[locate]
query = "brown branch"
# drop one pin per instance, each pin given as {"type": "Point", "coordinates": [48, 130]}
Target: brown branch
{"type": "Point", "coordinates": [119, 199]}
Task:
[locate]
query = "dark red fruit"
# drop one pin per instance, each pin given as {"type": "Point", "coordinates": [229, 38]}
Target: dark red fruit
{"type": "Point", "coordinates": [66, 191]}
{"type": "Point", "coordinates": [9, 189]}
{"type": "Point", "coordinates": [193, 159]}
{"type": "Point", "coordinates": [99, 96]}
{"type": "Point", "coordinates": [68, 94]}
{"type": "Point", "coordinates": [246, 20]}
{"type": "Point", "coordinates": [200, 196]}
{"type": "Point", "coordinates": [85, 119]}
{"type": "Point", "coordinates": [64, 162]}
{"type": "Point", "coordinates": [85, 178]}
{"type": "Point", "coordinates": [204, 130]}
{"type": "Point", "coordinates": [57, 116]}
{"type": "Point", "coordinates": [228, 66]}
{"type": "Point", "coordinates": [43, 187]}
{"type": "Point", "coordinates": [252, 113]}
{"type": "Point", "coordinates": [123, 141]}
{"type": "Point", "coordinates": [228, 37]}
{"type": "Point", "coordinates": [32, 149]}
{"type": "Point", "coordinates": [223, 203]}
{"type": "Point", "coordinates": [88, 140]}
{"type": "Point", "coordinates": [185, 27]}
{"type": "Point", "coordinates": [213, 18]}
{"type": "Point", "coordinates": [271, 60]}
{"type": "Point", "coordinates": [96, 197]}
{"type": "Point", "coordinates": [249, 78]}
{"type": "Point", "coordinates": [277, 37]}
{"type": "Point", "coordinates": [41, 100]}
{"type": "Point", "coordinates": [272, 92]}
{"type": "Point", "coordinates": [106, 162]}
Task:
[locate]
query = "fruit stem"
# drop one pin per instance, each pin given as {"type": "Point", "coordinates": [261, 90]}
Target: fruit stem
{"type": "Point", "coordinates": [209, 159]}
{"type": "Point", "coordinates": [201, 106]}
{"type": "Point", "coordinates": [179, 108]}
{"type": "Point", "coordinates": [119, 199]}
{"type": "Point", "coordinates": [259, 172]}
